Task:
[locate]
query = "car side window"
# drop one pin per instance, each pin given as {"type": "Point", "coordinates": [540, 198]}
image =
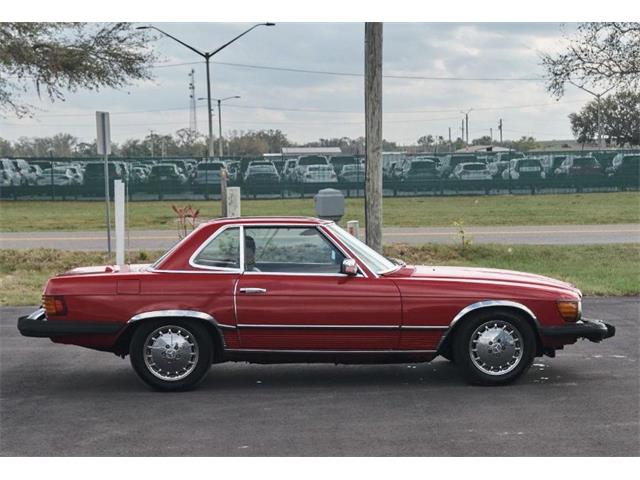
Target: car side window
{"type": "Point", "coordinates": [222, 252]}
{"type": "Point", "coordinates": [290, 250]}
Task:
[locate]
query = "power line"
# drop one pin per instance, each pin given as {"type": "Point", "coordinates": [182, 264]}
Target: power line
{"type": "Point", "coordinates": [354, 74]}
{"type": "Point", "coordinates": [313, 110]}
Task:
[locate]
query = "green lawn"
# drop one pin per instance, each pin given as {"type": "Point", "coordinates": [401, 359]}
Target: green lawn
{"type": "Point", "coordinates": [589, 208]}
{"type": "Point", "coordinates": [595, 269]}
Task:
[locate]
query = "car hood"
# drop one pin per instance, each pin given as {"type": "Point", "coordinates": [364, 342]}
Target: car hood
{"type": "Point", "coordinates": [480, 274]}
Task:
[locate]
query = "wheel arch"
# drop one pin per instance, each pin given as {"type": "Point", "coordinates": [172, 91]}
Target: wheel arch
{"type": "Point", "coordinates": [501, 305]}
{"type": "Point", "coordinates": [213, 327]}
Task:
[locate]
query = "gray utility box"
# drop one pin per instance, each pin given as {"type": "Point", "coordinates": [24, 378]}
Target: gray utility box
{"type": "Point", "coordinates": [329, 204]}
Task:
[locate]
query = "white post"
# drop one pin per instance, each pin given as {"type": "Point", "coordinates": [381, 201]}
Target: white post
{"type": "Point", "coordinates": [233, 201]}
{"type": "Point", "coordinates": [353, 227]}
{"type": "Point", "coordinates": [119, 208]}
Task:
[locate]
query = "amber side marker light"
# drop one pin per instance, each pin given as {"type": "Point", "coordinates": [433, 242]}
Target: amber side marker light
{"type": "Point", "coordinates": [54, 305]}
{"type": "Point", "coordinates": [569, 310]}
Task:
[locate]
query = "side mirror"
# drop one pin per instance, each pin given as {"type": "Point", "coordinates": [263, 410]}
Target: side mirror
{"type": "Point", "coordinates": [349, 267]}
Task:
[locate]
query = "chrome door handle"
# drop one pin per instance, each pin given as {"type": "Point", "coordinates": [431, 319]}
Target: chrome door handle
{"type": "Point", "coordinates": [253, 291]}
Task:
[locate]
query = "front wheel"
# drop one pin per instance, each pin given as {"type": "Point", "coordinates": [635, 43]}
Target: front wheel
{"type": "Point", "coordinates": [171, 354]}
{"type": "Point", "coordinates": [494, 348]}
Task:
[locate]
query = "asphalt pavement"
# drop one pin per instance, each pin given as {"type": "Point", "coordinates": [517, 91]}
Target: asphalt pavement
{"type": "Point", "coordinates": [64, 400]}
{"type": "Point", "coordinates": [538, 235]}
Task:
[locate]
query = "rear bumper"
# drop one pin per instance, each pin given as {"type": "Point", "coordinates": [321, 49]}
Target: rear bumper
{"type": "Point", "coordinates": [37, 325]}
{"type": "Point", "coordinates": [591, 329]}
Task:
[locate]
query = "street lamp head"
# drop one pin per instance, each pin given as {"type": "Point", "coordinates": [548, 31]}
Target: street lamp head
{"type": "Point", "coordinates": [143, 27]}
{"type": "Point", "coordinates": [269, 24]}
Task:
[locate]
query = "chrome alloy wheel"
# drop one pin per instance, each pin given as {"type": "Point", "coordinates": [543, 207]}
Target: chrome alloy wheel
{"type": "Point", "coordinates": [170, 352]}
{"type": "Point", "coordinates": [495, 347]}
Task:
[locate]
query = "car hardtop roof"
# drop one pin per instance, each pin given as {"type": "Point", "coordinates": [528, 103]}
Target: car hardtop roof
{"type": "Point", "coordinates": [256, 220]}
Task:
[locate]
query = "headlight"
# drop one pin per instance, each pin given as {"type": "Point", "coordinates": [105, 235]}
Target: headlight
{"type": "Point", "coordinates": [570, 310]}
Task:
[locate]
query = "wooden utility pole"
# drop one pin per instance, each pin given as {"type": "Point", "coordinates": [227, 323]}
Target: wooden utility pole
{"type": "Point", "coordinates": [373, 133]}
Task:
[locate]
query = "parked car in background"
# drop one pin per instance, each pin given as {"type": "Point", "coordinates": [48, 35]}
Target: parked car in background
{"type": "Point", "coordinates": [288, 169]}
{"type": "Point", "coordinates": [339, 162]}
{"type": "Point", "coordinates": [8, 180]}
{"type": "Point", "coordinates": [306, 161]}
{"type": "Point", "coordinates": [166, 173]}
{"type": "Point", "coordinates": [23, 169]}
{"type": "Point", "coordinates": [261, 173]}
{"type": "Point", "coordinates": [208, 173]}
{"type": "Point", "coordinates": [352, 173]}
{"type": "Point", "coordinates": [449, 163]}
{"type": "Point", "coordinates": [11, 174]}
{"type": "Point", "coordinates": [417, 169]}
{"type": "Point", "coordinates": [233, 167]}
{"type": "Point", "coordinates": [524, 169]}
{"type": "Point", "coordinates": [138, 176]}
{"type": "Point", "coordinates": [319, 174]}
{"type": "Point", "coordinates": [61, 177]}
{"type": "Point", "coordinates": [273, 290]}
{"type": "Point", "coordinates": [390, 160]}
{"type": "Point", "coordinates": [471, 171]}
{"type": "Point", "coordinates": [94, 173]}
{"type": "Point", "coordinates": [579, 166]}
{"type": "Point", "coordinates": [625, 166]}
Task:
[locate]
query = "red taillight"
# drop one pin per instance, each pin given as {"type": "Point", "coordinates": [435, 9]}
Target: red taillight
{"type": "Point", "coordinates": [54, 305]}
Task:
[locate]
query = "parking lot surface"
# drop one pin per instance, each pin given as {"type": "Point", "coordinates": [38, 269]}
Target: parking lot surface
{"type": "Point", "coordinates": [63, 400]}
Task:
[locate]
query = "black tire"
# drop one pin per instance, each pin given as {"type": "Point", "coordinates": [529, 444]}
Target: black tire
{"type": "Point", "coordinates": [521, 332]}
{"type": "Point", "coordinates": [196, 334]}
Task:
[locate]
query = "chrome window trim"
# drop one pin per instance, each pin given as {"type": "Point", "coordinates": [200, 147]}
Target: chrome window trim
{"type": "Point", "coordinates": [488, 304]}
{"type": "Point", "coordinates": [326, 226]}
{"type": "Point", "coordinates": [319, 229]}
{"type": "Point", "coordinates": [179, 313]}
{"type": "Point", "coordinates": [210, 239]}
{"type": "Point", "coordinates": [199, 272]}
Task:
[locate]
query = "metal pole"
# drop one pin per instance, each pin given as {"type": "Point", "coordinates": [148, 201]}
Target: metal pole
{"type": "Point", "coordinates": [107, 200]}
{"type": "Point", "coordinates": [466, 117]}
{"type": "Point", "coordinates": [450, 145]}
{"type": "Point", "coordinates": [219, 129]}
{"type": "Point", "coordinates": [373, 133]}
{"type": "Point", "coordinates": [598, 98]}
{"type": "Point", "coordinates": [209, 111]}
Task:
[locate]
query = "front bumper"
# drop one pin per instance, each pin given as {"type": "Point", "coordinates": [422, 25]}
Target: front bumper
{"type": "Point", "coordinates": [37, 325]}
{"type": "Point", "coordinates": [591, 329]}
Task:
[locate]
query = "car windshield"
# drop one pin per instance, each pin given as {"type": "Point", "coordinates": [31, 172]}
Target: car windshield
{"type": "Point", "coordinates": [312, 161]}
{"type": "Point", "coordinates": [423, 165]}
{"type": "Point", "coordinates": [376, 262]}
{"type": "Point", "coordinates": [585, 162]}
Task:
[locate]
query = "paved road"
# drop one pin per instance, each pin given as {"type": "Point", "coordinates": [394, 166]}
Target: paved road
{"type": "Point", "coordinates": [63, 400]}
{"type": "Point", "coordinates": [542, 235]}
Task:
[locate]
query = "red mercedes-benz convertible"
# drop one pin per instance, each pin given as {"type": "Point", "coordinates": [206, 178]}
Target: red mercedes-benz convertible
{"type": "Point", "coordinates": [273, 290]}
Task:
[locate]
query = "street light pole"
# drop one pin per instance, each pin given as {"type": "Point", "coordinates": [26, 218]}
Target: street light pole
{"type": "Point", "coordinates": [207, 57]}
{"type": "Point", "coordinates": [466, 121]}
{"type": "Point", "coordinates": [599, 109]}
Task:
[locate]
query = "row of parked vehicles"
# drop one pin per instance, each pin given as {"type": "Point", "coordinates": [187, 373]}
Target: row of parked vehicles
{"type": "Point", "coordinates": [309, 169]}
{"type": "Point", "coordinates": [509, 166]}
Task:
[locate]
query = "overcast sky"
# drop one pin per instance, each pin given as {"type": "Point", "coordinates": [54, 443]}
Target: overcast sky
{"type": "Point", "coordinates": [333, 105]}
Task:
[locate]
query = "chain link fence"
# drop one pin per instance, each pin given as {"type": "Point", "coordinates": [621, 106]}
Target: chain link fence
{"type": "Point", "coordinates": [415, 175]}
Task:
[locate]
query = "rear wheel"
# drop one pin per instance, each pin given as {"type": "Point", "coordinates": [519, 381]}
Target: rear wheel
{"type": "Point", "coordinates": [494, 347]}
{"type": "Point", "coordinates": [171, 354]}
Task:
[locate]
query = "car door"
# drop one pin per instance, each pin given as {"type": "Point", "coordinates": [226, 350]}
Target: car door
{"type": "Point", "coordinates": [292, 296]}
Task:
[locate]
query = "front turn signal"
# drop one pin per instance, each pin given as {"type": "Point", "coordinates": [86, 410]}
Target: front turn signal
{"type": "Point", "coordinates": [54, 305]}
{"type": "Point", "coordinates": [569, 310]}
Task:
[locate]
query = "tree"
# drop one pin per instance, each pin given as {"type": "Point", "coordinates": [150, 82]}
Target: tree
{"type": "Point", "coordinates": [620, 120]}
{"type": "Point", "coordinates": [601, 55]}
{"type": "Point", "coordinates": [484, 140]}
{"type": "Point", "coordinates": [59, 57]}
{"type": "Point", "coordinates": [425, 142]}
